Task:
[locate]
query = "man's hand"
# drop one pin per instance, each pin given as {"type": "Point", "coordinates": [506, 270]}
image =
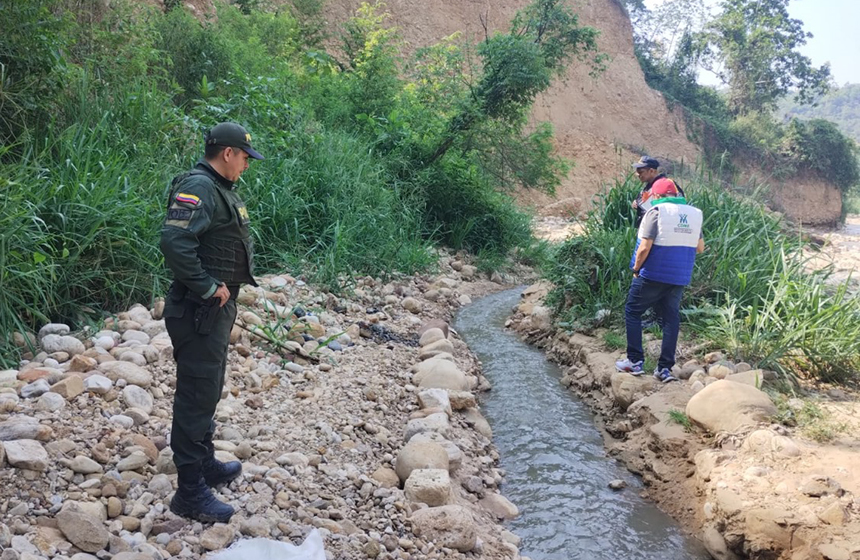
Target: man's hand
{"type": "Point", "coordinates": [634, 204]}
{"type": "Point", "coordinates": [223, 294]}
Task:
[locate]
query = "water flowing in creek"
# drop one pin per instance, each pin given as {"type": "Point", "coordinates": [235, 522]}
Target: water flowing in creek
{"type": "Point", "coordinates": [556, 468]}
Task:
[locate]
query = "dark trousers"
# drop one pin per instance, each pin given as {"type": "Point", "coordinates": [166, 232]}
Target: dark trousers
{"type": "Point", "coordinates": [201, 362]}
{"type": "Point", "coordinates": [666, 300]}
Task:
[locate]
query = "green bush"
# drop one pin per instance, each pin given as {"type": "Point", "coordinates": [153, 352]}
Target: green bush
{"type": "Point", "coordinates": [819, 145]}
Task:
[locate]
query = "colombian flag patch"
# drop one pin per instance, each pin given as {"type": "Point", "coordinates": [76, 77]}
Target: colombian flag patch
{"type": "Point", "coordinates": [188, 198]}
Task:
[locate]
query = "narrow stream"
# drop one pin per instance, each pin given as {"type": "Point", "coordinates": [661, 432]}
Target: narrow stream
{"type": "Point", "coordinates": [557, 470]}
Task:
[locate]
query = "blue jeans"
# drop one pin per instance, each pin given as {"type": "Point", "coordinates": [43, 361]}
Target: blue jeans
{"type": "Point", "coordinates": [666, 300]}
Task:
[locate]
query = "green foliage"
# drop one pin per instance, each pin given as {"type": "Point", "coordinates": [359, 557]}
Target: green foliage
{"type": "Point", "coordinates": [81, 211]}
{"type": "Point", "coordinates": [819, 145]}
{"type": "Point", "coordinates": [31, 64]}
{"type": "Point", "coordinates": [614, 341]}
{"type": "Point", "coordinates": [354, 181]}
{"type": "Point", "coordinates": [813, 421]}
{"type": "Point", "coordinates": [755, 51]}
{"type": "Point", "coordinates": [679, 417]}
{"type": "Point", "coordinates": [750, 293]}
{"type": "Point", "coordinates": [194, 52]}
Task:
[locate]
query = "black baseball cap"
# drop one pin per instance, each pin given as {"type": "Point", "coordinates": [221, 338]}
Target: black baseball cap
{"type": "Point", "coordinates": [647, 161]}
{"type": "Point", "coordinates": [231, 135]}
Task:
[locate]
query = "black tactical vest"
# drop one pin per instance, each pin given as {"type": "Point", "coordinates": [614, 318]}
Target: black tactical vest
{"type": "Point", "coordinates": [226, 250]}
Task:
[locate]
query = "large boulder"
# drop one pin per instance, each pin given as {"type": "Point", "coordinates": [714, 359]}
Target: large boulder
{"type": "Point", "coordinates": [726, 406]}
{"type": "Point", "coordinates": [753, 377]}
{"type": "Point", "coordinates": [436, 422]}
{"type": "Point", "coordinates": [440, 374]}
{"type": "Point", "coordinates": [131, 373]}
{"type": "Point", "coordinates": [429, 486]}
{"type": "Point", "coordinates": [420, 455]}
{"type": "Point", "coordinates": [442, 346]}
{"type": "Point", "coordinates": [448, 526]}
{"type": "Point", "coordinates": [431, 335]}
{"type": "Point", "coordinates": [627, 389]}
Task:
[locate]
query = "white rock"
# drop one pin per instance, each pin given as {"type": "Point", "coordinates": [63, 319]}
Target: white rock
{"type": "Point", "coordinates": [50, 402]}
{"type": "Point", "coordinates": [437, 422]}
{"type": "Point", "coordinates": [448, 526]}
{"type": "Point", "coordinates": [105, 342]}
{"type": "Point", "coordinates": [26, 454]}
{"type": "Point", "coordinates": [728, 406]}
{"type": "Point", "coordinates": [98, 384]}
{"type": "Point", "coordinates": [53, 328]}
{"type": "Point", "coordinates": [137, 397]}
{"type": "Point", "coordinates": [420, 455]}
{"type": "Point", "coordinates": [443, 346]}
{"type": "Point", "coordinates": [434, 398]}
{"type": "Point", "coordinates": [36, 388]}
{"type": "Point", "coordinates": [499, 506]}
{"type": "Point", "coordinates": [84, 465]}
{"type": "Point", "coordinates": [122, 420]}
{"type": "Point", "coordinates": [440, 374]}
{"type": "Point", "coordinates": [429, 486]}
{"type": "Point", "coordinates": [138, 336]}
{"type": "Point", "coordinates": [131, 373]}
{"type": "Point", "coordinates": [62, 343]}
{"type": "Point", "coordinates": [430, 336]}
{"type": "Point", "coordinates": [133, 462]}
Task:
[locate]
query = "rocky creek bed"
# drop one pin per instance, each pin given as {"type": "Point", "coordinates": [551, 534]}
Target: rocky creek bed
{"type": "Point", "coordinates": [749, 486]}
{"type": "Point", "coordinates": [360, 420]}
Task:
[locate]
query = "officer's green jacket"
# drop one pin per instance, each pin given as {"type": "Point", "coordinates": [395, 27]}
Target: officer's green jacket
{"type": "Point", "coordinates": [205, 238]}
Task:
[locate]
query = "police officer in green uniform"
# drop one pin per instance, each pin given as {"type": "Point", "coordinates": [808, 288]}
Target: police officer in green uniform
{"type": "Point", "coordinates": [207, 245]}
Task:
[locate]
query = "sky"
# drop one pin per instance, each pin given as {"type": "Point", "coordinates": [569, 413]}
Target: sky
{"type": "Point", "coordinates": [836, 39]}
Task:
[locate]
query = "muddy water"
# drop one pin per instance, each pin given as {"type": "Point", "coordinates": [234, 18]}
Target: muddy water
{"type": "Point", "coordinates": [557, 471]}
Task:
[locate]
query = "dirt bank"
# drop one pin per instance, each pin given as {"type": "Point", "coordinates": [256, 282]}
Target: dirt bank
{"type": "Point", "coordinates": [747, 485]}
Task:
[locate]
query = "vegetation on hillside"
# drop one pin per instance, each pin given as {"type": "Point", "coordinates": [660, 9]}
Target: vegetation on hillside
{"type": "Point", "coordinates": [750, 293]}
{"type": "Point", "coordinates": [753, 47]}
{"type": "Point", "coordinates": [841, 107]}
{"type": "Point", "coordinates": [372, 158]}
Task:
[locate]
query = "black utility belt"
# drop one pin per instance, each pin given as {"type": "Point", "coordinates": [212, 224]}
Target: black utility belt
{"type": "Point", "coordinates": [191, 296]}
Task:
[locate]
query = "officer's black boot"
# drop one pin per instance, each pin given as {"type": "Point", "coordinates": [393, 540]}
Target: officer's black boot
{"type": "Point", "coordinates": [214, 471]}
{"type": "Point", "coordinates": [194, 499]}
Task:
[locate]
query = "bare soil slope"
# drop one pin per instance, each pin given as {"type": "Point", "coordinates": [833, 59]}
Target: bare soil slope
{"type": "Point", "coordinates": [599, 123]}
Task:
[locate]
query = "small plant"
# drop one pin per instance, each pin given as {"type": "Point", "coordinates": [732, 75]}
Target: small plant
{"type": "Point", "coordinates": [681, 418]}
{"type": "Point", "coordinates": [812, 420]}
{"type": "Point", "coordinates": [614, 341]}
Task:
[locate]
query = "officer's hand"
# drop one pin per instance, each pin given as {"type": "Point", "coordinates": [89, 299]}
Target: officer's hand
{"type": "Point", "coordinates": [634, 204]}
{"type": "Point", "coordinates": [223, 294]}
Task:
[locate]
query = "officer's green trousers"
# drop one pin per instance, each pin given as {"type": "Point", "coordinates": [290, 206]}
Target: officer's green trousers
{"type": "Point", "coordinates": [201, 361]}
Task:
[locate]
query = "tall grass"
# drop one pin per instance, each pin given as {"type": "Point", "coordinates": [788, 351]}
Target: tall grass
{"type": "Point", "coordinates": [750, 294]}
{"type": "Point", "coordinates": [348, 186]}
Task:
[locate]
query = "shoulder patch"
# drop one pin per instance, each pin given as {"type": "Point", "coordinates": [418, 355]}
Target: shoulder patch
{"type": "Point", "coordinates": [188, 198]}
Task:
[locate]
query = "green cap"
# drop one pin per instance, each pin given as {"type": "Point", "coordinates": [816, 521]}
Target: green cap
{"type": "Point", "coordinates": [231, 135]}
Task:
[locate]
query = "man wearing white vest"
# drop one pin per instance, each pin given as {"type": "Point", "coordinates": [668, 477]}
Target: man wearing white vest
{"type": "Point", "coordinates": [669, 239]}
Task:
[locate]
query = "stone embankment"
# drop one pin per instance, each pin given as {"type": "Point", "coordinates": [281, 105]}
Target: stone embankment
{"type": "Point", "coordinates": [356, 416]}
{"type": "Point", "coordinates": [748, 486]}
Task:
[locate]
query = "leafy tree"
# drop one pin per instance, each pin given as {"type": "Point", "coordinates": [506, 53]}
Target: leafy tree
{"type": "Point", "coordinates": [544, 38]}
{"type": "Point", "coordinates": [819, 145]}
{"type": "Point", "coordinates": [754, 49]}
